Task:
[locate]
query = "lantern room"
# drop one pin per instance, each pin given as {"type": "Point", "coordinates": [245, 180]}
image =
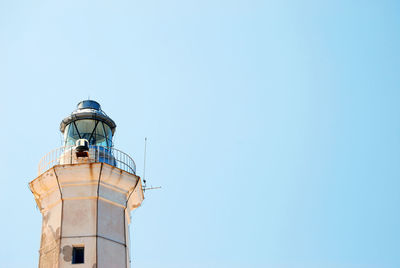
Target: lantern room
{"type": "Point", "coordinates": [88, 122]}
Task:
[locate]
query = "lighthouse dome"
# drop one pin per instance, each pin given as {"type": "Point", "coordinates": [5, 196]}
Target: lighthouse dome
{"type": "Point", "coordinates": [88, 121]}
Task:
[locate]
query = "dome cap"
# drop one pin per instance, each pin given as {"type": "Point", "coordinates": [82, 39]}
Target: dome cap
{"type": "Point", "coordinates": [89, 104]}
{"type": "Point", "coordinates": [88, 109]}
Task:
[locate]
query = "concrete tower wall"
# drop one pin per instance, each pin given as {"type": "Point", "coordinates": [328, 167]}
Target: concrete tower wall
{"type": "Point", "coordinates": [86, 205]}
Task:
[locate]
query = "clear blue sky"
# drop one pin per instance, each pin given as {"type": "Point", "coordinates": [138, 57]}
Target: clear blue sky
{"type": "Point", "coordinates": [273, 126]}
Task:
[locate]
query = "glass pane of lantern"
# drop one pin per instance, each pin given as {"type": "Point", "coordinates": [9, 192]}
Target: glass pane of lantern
{"type": "Point", "coordinates": [72, 135]}
{"type": "Point", "coordinates": [108, 134]}
{"type": "Point", "coordinates": [66, 134]}
{"type": "Point", "coordinates": [100, 135]}
{"type": "Point", "coordinates": [85, 128]}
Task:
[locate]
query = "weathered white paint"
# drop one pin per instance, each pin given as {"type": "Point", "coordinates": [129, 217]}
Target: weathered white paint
{"type": "Point", "coordinates": [86, 204]}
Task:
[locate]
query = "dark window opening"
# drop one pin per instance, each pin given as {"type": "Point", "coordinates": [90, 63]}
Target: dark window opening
{"type": "Point", "coordinates": [78, 255]}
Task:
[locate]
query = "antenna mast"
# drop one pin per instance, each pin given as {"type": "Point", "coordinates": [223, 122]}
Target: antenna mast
{"type": "Point", "coordinates": [144, 170]}
{"type": "Point", "coordinates": [144, 162]}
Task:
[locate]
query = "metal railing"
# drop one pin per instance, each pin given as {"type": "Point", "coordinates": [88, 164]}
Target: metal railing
{"type": "Point", "coordinates": [96, 154]}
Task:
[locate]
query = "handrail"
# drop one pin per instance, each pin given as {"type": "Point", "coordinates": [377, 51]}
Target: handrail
{"type": "Point", "coordinates": [96, 154]}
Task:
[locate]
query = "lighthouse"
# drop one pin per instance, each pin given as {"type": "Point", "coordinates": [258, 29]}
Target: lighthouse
{"type": "Point", "coordinates": [85, 191]}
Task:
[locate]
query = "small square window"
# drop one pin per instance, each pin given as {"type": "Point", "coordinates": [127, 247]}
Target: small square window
{"type": "Point", "coordinates": [78, 255]}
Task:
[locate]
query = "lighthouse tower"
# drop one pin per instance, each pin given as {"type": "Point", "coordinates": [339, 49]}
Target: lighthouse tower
{"type": "Point", "coordinates": [85, 191]}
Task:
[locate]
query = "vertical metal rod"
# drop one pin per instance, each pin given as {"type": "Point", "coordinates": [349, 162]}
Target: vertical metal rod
{"type": "Point", "coordinates": [144, 162]}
